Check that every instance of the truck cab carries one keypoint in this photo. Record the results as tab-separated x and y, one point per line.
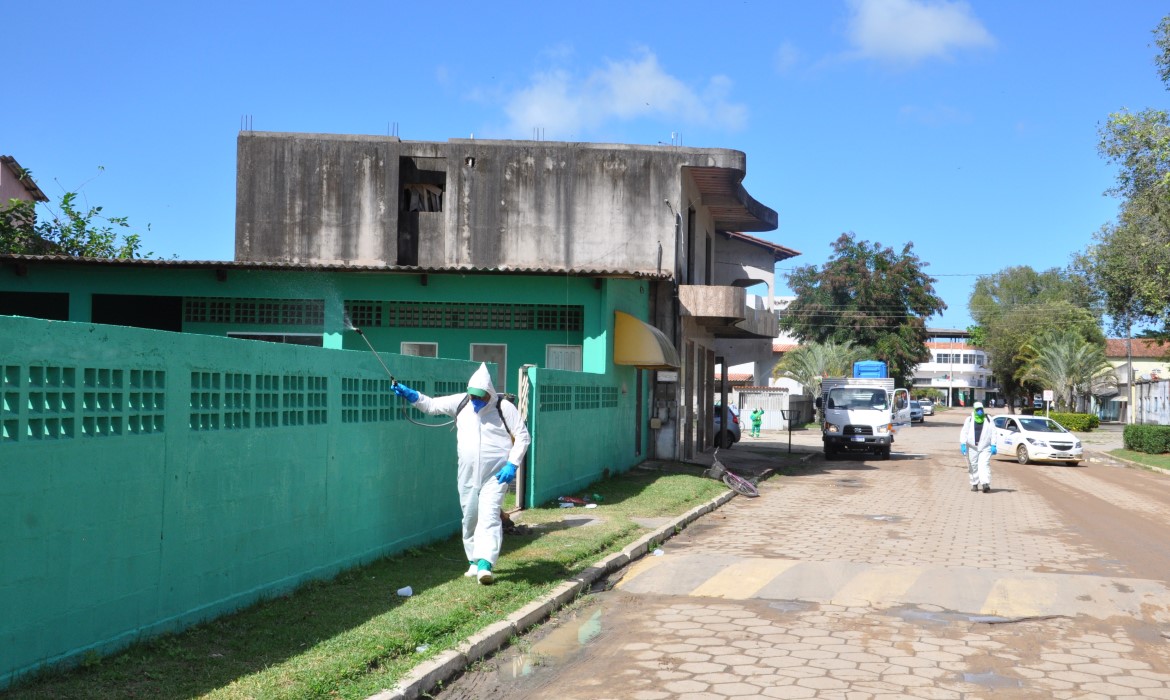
862	415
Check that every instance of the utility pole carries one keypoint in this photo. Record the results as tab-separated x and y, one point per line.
1128	373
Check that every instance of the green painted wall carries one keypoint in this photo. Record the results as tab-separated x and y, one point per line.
334	289
149	480
584	427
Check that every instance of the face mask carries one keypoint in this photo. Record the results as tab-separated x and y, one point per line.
979	416
478	403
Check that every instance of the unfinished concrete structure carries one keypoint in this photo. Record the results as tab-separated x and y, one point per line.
672	215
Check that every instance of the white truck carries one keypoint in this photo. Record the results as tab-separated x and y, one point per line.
861	415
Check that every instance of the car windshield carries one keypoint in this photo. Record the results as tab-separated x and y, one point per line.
843	397
1042	425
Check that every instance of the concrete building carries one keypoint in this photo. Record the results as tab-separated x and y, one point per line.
959	371
1148	362
673	216
604	258
758	371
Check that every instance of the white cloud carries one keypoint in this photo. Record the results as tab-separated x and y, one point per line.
786	58
906	31
639	88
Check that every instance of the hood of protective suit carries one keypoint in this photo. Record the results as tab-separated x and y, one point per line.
482	380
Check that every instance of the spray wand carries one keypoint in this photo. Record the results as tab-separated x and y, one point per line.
393	381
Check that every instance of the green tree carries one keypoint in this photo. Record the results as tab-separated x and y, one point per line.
1070	365
1017	305
68	229
1130	260
808	363
868	295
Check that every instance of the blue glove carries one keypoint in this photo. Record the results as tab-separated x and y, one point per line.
507	475
405	392
993	450
963	448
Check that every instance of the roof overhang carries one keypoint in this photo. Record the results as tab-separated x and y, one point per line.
24	178
731	207
778	252
641	345
20	259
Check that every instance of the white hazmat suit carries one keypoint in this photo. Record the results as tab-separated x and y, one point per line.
978	451
484	447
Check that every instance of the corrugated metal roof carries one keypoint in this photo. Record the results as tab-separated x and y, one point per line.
326	267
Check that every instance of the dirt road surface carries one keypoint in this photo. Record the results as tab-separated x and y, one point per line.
863	579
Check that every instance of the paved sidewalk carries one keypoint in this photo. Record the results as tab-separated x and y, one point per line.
863	580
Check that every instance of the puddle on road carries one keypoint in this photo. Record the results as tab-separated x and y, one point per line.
566	639
942	617
792	605
992	680
849	483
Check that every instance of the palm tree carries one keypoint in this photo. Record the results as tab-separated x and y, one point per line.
1068	364
808	363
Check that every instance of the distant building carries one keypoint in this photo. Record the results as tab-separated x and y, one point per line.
957	369
1149	362
17	183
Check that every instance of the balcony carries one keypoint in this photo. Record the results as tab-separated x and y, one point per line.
725	313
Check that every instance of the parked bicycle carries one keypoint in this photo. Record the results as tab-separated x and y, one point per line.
733	481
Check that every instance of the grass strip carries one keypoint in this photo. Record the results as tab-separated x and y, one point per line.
1161	461
353	636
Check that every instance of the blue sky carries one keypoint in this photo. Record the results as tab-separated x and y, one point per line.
967	128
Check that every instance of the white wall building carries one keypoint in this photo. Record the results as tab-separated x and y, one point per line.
958	370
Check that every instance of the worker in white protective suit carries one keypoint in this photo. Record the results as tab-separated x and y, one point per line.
977	443
492	440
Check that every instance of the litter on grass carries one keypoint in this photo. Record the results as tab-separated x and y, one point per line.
405	592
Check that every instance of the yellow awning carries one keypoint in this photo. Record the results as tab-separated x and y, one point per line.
641	345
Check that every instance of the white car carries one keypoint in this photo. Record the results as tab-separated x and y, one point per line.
927	406
1033	438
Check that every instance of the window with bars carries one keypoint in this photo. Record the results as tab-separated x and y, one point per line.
296	312
364	314
418	314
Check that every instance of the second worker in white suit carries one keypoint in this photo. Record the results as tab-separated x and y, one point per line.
491	442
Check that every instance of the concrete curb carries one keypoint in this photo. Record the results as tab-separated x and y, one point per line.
428	674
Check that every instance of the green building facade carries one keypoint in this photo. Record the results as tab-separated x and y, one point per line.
156	471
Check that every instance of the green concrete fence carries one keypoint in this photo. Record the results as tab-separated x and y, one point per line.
152	480
584	426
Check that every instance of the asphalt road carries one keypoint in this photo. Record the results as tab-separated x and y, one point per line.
864	579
